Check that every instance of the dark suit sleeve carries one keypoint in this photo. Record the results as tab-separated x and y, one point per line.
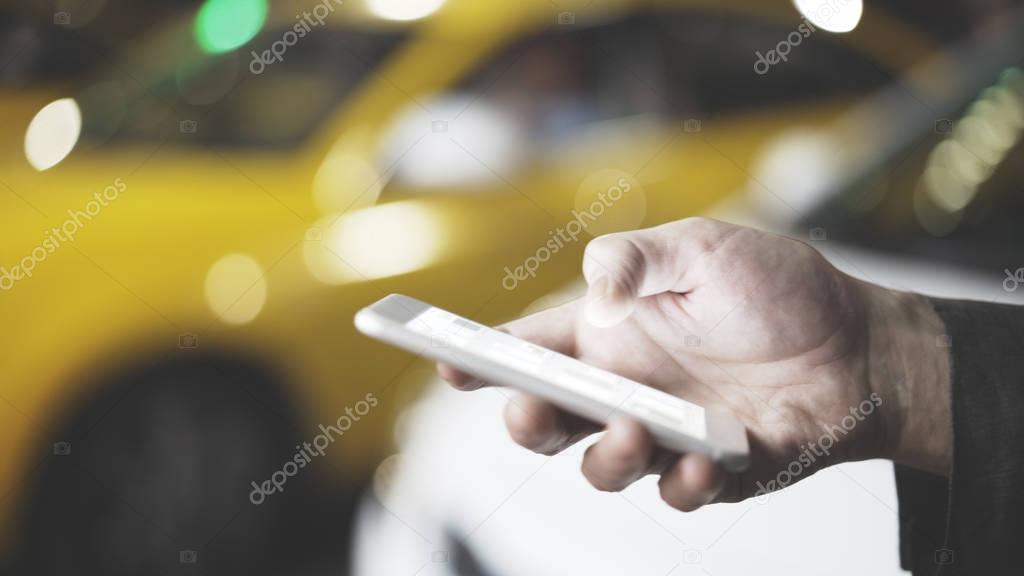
973	521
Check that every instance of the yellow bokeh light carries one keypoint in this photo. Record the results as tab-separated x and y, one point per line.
937	221
53	133
976	135
1011	104
236	288
344	181
963	164
945	189
1003	134
376	242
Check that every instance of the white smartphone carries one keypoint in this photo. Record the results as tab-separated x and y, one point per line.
590	392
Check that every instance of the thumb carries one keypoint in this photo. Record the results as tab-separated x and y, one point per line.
620	268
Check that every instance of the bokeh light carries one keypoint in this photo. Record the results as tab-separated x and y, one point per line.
376	242
842	16
223	25
964	161
404	9
236	288
344	181
53	133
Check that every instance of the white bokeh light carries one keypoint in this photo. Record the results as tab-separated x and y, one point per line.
404	9
53	133
832	15
375	242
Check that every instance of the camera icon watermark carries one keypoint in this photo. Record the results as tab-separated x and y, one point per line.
188	341
691	341
944	126
566	18
439	126
692	556
188	557
188	126
62	18
817	234
439	556
944	341
943	556
691	125
314	234
62	448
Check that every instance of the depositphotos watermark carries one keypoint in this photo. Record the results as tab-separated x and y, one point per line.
1013	279
308	450
306	22
57	236
780	53
809	453
564	236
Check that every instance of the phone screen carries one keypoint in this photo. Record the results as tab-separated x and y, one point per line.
445	329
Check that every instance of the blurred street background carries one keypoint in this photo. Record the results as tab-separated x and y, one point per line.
197	195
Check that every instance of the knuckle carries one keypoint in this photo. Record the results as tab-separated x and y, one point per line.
706	234
698	221
700	225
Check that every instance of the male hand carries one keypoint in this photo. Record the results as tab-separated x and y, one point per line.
820	367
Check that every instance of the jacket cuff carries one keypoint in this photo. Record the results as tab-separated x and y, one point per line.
971	522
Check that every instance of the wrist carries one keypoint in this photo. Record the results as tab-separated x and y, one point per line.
908	366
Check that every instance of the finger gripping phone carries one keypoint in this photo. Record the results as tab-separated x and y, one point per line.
585	390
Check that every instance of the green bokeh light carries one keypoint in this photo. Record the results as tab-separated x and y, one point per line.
224	25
